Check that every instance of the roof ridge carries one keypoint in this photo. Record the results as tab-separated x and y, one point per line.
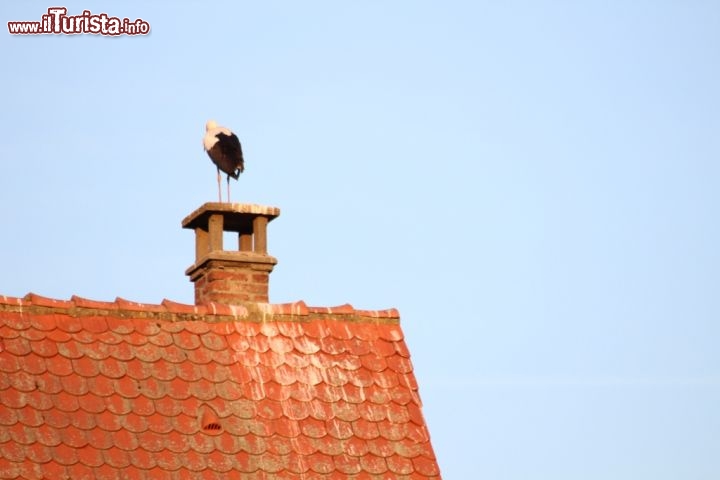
295	310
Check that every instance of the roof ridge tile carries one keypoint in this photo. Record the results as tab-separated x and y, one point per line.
39	300
6	300
385	313
298	308
237	311
83	302
175	307
124	304
345	308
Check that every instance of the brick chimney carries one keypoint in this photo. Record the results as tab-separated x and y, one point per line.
231	276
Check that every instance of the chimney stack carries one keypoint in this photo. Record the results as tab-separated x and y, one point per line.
231	276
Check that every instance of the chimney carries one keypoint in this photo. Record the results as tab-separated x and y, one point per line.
231	276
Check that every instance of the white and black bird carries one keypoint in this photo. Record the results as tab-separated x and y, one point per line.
225	151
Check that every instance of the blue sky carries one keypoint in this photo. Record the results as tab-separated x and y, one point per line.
534	185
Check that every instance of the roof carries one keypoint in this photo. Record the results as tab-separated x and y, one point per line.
119	389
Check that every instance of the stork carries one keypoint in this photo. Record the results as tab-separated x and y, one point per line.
223	148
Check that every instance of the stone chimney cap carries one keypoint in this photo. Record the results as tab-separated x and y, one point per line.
232	222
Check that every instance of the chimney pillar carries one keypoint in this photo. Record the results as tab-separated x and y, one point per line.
215	228
260	227
246	242
231	276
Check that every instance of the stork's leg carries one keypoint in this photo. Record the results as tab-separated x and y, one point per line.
228	182
219	187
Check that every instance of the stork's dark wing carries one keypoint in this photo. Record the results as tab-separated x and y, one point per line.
231	153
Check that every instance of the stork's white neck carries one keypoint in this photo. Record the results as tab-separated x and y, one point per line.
210	138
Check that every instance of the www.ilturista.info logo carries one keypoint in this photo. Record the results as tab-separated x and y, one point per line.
57	21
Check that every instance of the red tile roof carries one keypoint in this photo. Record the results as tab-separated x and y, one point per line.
114	390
